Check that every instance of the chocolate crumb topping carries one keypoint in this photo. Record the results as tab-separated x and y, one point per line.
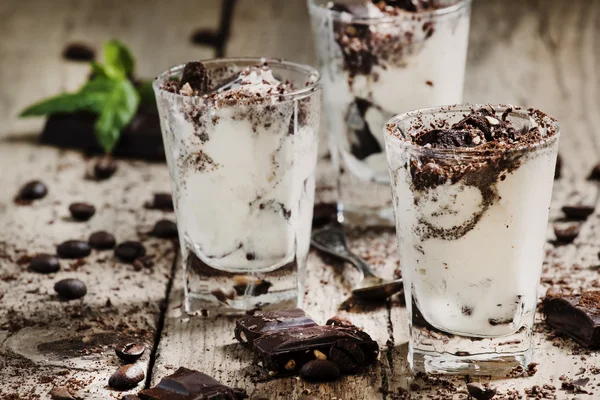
194	74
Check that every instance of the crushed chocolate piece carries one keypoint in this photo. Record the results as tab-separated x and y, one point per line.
194	74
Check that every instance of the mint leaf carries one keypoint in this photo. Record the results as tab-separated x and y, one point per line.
118	60
63	103
119	107
98	70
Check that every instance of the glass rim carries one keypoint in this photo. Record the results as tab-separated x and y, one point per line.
301	93
408	15
529	113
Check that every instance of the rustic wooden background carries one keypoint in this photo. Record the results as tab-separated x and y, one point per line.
540	53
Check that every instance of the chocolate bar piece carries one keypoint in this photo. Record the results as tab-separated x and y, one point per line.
187	384
285	352
248	329
576	316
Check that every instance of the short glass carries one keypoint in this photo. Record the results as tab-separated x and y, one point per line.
373	69
243	180
471	246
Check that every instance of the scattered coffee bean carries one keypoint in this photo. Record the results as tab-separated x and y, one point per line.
165	229
127	377
63	393
130	352
79	52
579	212
320	371
32	191
161	201
44	264
347	355
104	168
558	168
73	249
480	392
102	240
82	211
566	235
70	289
129	251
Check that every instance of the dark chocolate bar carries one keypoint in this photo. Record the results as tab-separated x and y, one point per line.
285	352
248	329
577	316
187	384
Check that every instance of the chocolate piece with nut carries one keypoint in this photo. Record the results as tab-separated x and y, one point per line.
250	328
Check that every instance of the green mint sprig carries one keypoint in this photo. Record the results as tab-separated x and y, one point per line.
109	94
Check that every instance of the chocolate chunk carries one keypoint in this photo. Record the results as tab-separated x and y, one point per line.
129	251
248	329
558	168
105	167
577	316
33	190
161	201
78	52
194	74
44	264
126	377
566	235
70	289
82	211
320	371
578	212
102	240
73	249
445	138
165	229
347	355
130	352
187	384
131	397
276	350
480	392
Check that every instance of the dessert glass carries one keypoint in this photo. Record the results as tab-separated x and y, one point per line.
409	61
471	247
243	178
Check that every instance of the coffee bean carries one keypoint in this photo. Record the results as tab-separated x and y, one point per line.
130	352
347	355
44	264
78	52
320	371
480	392
127	377
32	191
165	229
566	235
102	240
578	212
82	211
129	251
104	168
63	393
73	249
70	289
161	201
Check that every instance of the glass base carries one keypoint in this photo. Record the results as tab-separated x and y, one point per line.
212	291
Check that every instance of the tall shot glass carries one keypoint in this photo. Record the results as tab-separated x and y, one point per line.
243	178
373	68
471	228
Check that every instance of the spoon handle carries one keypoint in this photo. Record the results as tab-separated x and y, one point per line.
360	265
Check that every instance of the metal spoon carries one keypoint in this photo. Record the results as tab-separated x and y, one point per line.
332	241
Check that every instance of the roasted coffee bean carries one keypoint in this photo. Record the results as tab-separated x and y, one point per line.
32	191
44	264
161	201
165	229
70	289
102	240
347	355
129	251
73	249
127	377
578	212
79	52
82	211
104	168
63	393
480	392
320	371
130	352
566	235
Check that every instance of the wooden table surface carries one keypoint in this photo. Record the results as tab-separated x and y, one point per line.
531	53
